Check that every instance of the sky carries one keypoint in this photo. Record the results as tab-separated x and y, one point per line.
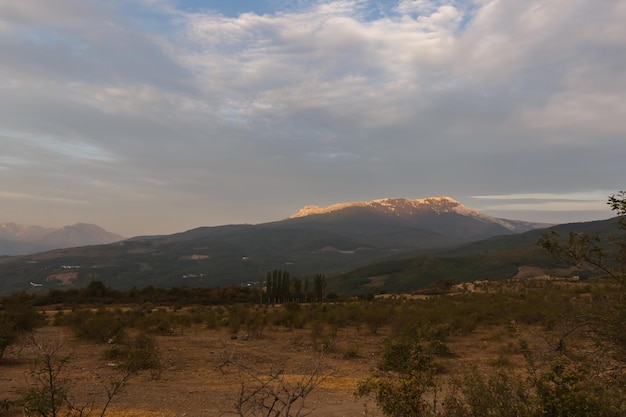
158	116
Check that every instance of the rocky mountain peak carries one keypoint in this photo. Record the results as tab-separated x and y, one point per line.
397	206
438	205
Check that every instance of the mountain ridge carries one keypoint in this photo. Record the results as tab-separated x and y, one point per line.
329	243
387	205
17	239
409	207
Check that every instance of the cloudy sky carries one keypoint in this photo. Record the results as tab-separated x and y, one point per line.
157	116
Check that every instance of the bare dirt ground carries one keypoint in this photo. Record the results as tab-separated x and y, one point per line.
192	383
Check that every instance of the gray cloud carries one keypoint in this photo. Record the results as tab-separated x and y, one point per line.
165	119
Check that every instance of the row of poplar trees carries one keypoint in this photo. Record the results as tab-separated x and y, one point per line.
281	288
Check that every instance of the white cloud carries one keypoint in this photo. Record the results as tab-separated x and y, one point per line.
547	207
559	206
39	198
597	195
442	97
323	58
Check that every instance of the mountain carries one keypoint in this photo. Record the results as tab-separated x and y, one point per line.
441	214
20	233
498	257
80	234
18	239
328	240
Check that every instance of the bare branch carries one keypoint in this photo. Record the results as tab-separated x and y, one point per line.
271	394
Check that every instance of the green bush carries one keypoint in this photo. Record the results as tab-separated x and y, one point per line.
100	326
17	319
8	333
137	354
156	322
351	353
495	394
4	406
573	389
404	381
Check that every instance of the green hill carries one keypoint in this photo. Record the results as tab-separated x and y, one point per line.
498	257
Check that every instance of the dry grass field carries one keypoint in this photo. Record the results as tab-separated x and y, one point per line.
192	382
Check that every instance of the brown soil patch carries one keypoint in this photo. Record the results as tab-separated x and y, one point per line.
66	278
192	383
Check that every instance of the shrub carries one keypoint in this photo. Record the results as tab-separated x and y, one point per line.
351	353
498	393
156	322
7	334
569	389
403	382
5	405
141	353
100	326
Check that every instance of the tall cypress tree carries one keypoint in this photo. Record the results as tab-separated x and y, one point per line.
319	289
306	289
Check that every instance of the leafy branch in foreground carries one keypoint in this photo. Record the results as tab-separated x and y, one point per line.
599	354
584	250
606	320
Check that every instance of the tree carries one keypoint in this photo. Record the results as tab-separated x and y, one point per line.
269	287
584	250
48	394
597	361
606	321
278	286
295	289
96	289
306	290
319	287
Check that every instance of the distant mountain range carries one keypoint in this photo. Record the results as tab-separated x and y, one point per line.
16	239
329	240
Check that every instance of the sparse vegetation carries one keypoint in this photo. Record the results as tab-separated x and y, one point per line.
581	373
513	309
49	392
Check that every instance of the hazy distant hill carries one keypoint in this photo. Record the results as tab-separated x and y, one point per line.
17	239
318	240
